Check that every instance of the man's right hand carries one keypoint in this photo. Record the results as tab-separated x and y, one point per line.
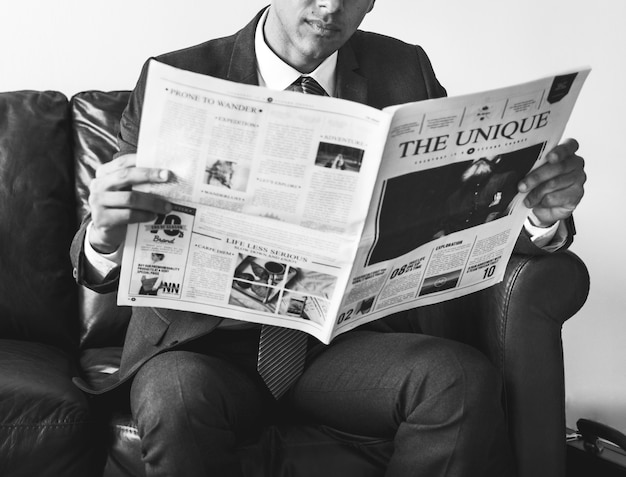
114	204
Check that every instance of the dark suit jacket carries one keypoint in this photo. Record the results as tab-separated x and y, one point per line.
371	69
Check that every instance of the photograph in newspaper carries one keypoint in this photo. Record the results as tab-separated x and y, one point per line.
280	288
422	206
339	156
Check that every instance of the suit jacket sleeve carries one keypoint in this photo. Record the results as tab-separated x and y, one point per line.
526	247
77	256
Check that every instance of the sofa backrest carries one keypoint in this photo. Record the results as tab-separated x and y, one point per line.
95	117
37	219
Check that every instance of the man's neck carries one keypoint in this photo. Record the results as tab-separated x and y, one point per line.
275	73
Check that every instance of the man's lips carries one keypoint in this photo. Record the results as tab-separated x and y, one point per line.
323	27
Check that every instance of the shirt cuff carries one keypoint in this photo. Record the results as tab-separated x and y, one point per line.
99	265
547	238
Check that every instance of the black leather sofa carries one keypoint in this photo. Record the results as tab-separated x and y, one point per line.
52	331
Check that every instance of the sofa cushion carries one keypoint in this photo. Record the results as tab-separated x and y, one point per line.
96	116
37	220
281	451
44	418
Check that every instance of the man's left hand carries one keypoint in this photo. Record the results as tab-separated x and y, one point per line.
556	187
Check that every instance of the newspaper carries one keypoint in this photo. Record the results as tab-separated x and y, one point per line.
322	214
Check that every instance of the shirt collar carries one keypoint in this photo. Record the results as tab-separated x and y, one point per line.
274	73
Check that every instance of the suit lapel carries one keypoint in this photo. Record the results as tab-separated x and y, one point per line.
242	63
350	84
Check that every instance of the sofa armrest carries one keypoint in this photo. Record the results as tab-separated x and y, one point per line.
521	321
47	426
538	293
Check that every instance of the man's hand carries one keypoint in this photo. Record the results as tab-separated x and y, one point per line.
114	204
556	188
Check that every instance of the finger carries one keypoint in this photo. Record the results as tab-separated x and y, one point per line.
562	151
111	218
127	160
563	190
549	216
131	200
561	203
551	170
126	177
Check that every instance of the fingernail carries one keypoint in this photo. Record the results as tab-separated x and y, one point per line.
522	187
164	174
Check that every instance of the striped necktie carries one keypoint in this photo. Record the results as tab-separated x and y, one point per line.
282	351
307	85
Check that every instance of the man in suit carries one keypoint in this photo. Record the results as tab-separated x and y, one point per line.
195	389
483	193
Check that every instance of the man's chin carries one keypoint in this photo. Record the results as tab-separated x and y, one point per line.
316	54
321	46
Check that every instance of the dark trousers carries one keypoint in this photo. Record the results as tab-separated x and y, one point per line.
438	400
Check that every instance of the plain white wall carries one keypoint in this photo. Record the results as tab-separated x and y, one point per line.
72	45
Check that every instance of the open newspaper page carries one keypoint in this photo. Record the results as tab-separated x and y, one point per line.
445	213
271	190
